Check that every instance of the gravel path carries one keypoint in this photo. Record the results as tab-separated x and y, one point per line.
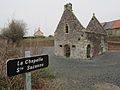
83	74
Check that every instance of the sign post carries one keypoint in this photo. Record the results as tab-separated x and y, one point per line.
28	75
26	64
28	80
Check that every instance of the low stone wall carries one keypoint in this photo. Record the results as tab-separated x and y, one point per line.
115	39
114	44
38	44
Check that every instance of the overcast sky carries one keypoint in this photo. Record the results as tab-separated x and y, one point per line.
46	13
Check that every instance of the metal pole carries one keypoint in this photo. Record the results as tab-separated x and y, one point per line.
28	75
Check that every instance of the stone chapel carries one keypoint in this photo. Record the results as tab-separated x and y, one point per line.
72	40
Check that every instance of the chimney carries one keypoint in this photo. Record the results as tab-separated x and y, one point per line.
68	6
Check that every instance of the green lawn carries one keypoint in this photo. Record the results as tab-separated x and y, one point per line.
114	36
37	39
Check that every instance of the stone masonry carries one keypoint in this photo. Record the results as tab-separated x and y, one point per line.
72	40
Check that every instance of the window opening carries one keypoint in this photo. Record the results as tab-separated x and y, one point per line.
66	28
60	45
73	46
78	39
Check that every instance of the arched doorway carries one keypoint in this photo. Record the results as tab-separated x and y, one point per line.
88	51
67	50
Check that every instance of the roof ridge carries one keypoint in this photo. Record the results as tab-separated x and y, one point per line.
93	27
113	20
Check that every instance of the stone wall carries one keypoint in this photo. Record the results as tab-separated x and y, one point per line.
73	37
76	49
114	44
39	44
113	32
115	39
98	43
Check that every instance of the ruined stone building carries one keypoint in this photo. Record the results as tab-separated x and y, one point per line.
72	40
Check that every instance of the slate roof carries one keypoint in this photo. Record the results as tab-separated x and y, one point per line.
111	25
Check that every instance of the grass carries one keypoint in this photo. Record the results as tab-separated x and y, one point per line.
37	39
114	35
43	78
47	73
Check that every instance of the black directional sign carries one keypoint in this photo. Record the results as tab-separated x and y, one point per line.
23	65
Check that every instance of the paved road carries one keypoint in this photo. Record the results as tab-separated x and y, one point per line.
83	74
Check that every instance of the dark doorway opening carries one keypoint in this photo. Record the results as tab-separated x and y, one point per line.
67	50
88	51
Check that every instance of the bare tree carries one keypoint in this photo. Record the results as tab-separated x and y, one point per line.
15	30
